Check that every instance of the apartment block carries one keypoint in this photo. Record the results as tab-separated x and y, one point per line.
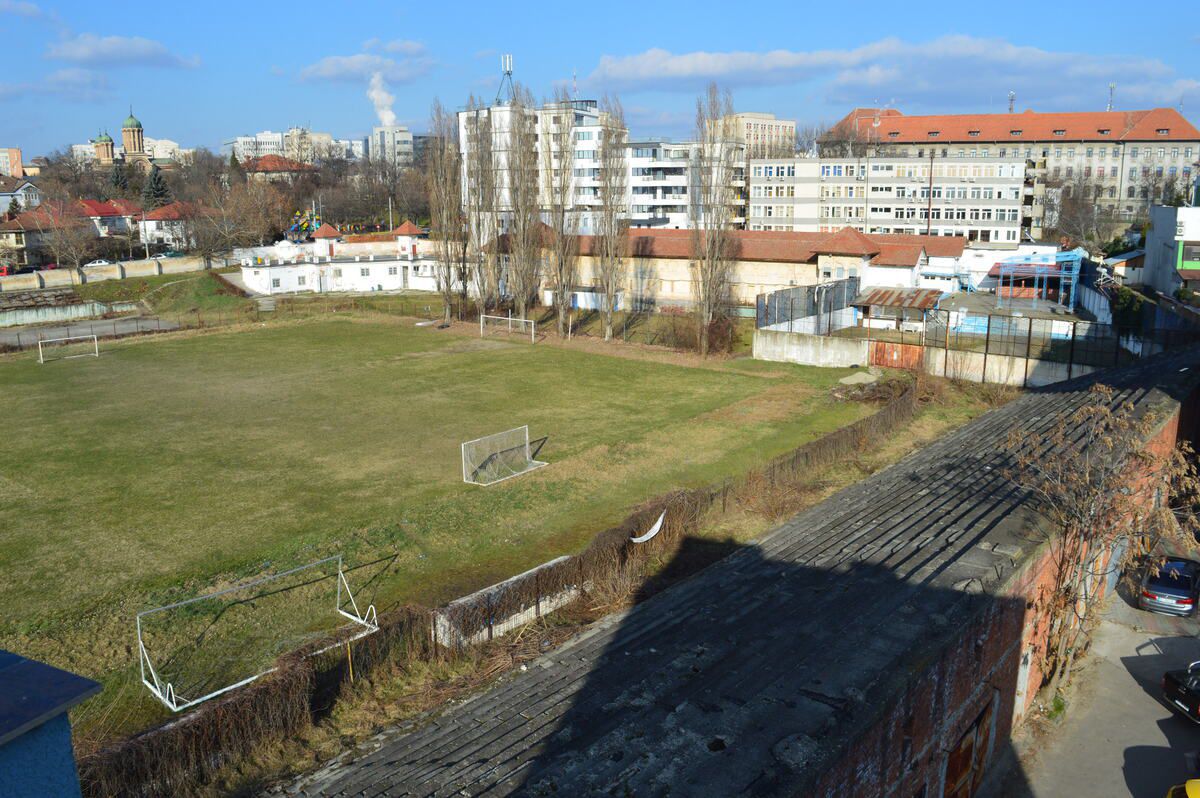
980	199
10	162
391	143
764	135
262	143
1124	160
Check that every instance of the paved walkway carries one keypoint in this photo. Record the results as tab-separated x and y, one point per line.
27	337
1117	738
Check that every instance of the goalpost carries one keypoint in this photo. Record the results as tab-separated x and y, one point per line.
67	348
495	458
508	324
204	663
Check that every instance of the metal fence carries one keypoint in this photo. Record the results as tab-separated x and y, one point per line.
1066	341
807	308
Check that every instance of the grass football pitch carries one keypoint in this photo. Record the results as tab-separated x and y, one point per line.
174	465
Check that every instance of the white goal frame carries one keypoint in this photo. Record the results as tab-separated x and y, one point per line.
164	691
510	320
94	353
533	464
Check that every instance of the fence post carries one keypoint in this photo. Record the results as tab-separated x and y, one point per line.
19	340
1028	353
987	344
1071	352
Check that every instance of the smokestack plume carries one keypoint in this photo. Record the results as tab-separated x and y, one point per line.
382	100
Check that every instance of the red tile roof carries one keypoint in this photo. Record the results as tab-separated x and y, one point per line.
848	241
327	230
101	208
173	212
46	216
898	255
275	163
407	229
126	207
1100	126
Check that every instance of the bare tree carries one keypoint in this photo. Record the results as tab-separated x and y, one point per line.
1108	498
1073	210
711	198
612	221
445	201
63	229
557	140
807	136
482	198
525	238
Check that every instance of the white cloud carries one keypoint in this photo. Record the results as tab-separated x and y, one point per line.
81	85
949	72
20	9
88	48
361	66
397	46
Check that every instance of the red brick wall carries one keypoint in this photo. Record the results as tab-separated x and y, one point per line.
906	750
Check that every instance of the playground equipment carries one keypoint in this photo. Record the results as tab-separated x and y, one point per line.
304	224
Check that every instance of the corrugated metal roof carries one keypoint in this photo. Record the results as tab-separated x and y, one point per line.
917	298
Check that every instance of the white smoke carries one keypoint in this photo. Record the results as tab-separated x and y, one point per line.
382	99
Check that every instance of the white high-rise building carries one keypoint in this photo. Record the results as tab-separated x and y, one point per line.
262	143
391	143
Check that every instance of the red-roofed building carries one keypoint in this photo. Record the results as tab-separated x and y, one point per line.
167	226
1128	159
275	168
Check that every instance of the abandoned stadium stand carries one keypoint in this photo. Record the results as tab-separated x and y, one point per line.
879	643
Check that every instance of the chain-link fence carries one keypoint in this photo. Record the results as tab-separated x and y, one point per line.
814	309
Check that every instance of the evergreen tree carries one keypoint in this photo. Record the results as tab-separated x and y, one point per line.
14	208
234	164
118	181
155	193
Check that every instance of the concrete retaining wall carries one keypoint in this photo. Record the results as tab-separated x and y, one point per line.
59	278
49	315
812	350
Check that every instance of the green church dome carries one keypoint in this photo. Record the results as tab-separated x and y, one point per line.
104	138
131	121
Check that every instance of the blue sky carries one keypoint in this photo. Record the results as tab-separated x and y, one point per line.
200	73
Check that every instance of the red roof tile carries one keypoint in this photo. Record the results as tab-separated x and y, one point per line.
173	212
898	255
407	229
275	163
327	230
895	127
101	208
847	241
126	207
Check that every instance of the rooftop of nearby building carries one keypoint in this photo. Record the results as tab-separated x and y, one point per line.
753	676
891	126
171	212
34	692
274	164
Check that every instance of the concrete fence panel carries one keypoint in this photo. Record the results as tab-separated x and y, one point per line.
811	350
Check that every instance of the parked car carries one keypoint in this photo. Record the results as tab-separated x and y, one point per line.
99	262
1170	588
172	253
1189	789
1181	691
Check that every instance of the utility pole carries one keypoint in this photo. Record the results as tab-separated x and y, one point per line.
391	226
929	205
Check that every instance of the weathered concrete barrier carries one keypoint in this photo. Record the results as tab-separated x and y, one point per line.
812	350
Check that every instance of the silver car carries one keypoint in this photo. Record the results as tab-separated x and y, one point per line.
1170	588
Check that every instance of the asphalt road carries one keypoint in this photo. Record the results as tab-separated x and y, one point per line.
1118	738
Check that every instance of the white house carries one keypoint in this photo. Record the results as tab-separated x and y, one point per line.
166	225
25	193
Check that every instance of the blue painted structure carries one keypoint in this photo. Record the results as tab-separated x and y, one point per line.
36	758
1063	267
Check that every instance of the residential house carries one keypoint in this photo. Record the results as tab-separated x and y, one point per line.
25	193
29	240
275	169
167	226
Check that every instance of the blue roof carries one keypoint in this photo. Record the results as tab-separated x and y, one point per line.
32	693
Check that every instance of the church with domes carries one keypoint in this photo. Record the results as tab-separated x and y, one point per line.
133	148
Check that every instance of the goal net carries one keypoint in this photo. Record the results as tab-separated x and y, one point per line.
198	648
507	325
495	458
67	348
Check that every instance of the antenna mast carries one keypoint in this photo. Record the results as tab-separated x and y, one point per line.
506	80
1012	98
1112	87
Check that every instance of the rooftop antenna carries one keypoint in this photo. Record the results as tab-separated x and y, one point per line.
575	86
1012	98
506	80
1112	87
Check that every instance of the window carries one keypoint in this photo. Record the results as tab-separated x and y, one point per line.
337	272
1060	132
274	282
300	280
933	134
1090	152
973	133
392	271
893	134
1163	131
1174	152
1104	131
1133	151
1162	151
365	271
1014	132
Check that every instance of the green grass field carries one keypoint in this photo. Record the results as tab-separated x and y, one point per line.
176	464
